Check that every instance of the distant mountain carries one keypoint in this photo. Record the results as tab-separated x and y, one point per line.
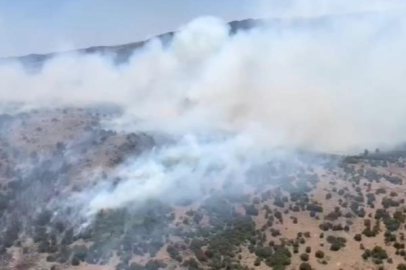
121	53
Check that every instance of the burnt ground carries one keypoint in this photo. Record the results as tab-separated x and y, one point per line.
331	213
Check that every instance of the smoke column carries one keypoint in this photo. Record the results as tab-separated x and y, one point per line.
333	85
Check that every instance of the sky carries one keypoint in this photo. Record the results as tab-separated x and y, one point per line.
40	26
28	26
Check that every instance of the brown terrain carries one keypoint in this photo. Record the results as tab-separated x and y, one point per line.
316	212
310	211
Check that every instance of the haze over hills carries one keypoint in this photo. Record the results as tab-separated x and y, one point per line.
123	52
202	150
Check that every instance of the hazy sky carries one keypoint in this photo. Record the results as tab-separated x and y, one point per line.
38	26
42	25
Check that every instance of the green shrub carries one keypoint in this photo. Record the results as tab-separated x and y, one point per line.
319	254
304	257
305	266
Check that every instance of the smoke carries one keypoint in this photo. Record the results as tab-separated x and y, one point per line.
332	88
329	84
184	171
189	170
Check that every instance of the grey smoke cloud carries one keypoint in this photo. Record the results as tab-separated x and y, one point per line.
319	89
188	170
334	86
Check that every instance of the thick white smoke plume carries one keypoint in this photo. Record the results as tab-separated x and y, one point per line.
188	170
333	84
333	88
184	171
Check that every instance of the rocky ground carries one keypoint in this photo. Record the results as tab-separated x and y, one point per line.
320	212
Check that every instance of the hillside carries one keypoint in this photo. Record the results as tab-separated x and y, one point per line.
82	189
319	211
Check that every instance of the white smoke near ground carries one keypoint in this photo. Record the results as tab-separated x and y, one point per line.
186	170
337	87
